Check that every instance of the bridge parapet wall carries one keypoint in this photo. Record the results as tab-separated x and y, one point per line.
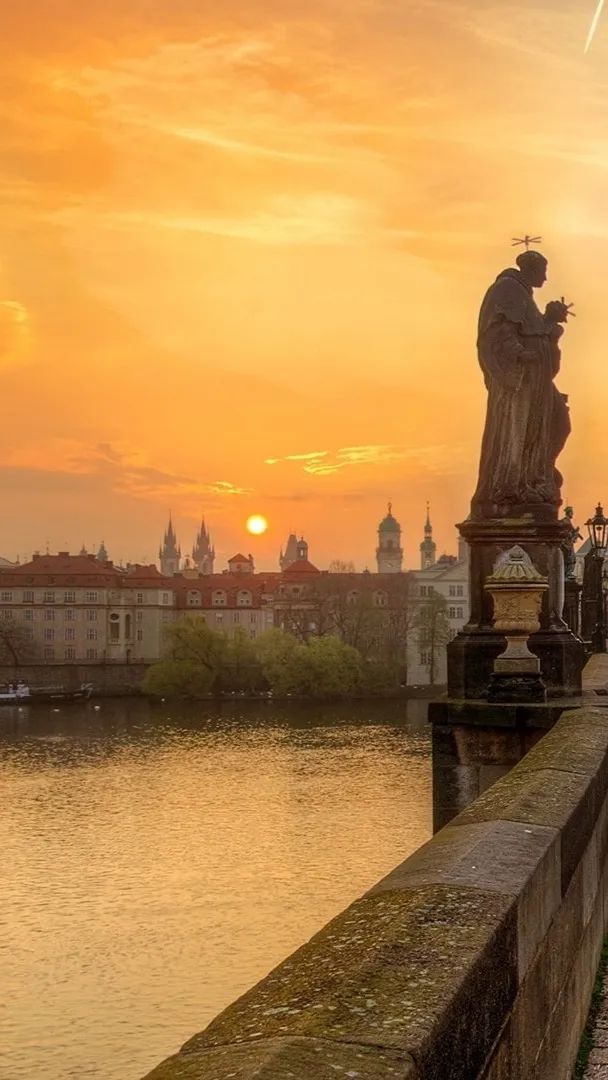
475	958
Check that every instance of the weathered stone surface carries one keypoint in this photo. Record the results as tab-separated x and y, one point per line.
567	801
517	860
403	969
284	1058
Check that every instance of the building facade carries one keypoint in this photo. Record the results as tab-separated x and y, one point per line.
439	608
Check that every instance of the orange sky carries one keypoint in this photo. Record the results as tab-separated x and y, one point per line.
263	235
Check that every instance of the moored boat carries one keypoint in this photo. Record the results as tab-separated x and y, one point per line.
21	694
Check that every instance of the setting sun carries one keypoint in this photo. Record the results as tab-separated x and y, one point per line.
257	524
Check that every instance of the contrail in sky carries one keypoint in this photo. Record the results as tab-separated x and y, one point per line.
596	19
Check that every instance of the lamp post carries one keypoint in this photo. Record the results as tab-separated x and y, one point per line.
594	621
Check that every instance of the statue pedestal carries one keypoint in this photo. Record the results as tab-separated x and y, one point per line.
572	605
472	652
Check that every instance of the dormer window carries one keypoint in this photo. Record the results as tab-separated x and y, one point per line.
219	598
194	598
380	599
243	598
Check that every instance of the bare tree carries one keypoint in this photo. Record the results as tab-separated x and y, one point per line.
16	644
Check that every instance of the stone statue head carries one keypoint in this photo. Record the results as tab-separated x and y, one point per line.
533	268
569	512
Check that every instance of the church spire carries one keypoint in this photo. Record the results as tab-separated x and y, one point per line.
428	547
203	552
170	552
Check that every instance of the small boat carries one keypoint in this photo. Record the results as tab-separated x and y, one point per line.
59	694
21	694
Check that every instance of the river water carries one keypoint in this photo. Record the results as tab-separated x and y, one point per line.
156	862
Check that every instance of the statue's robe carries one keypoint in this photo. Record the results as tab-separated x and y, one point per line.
527	421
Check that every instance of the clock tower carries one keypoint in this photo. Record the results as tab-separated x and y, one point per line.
389	553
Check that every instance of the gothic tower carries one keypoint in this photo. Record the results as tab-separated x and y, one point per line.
389	553
291	552
428	547
169	553
203	553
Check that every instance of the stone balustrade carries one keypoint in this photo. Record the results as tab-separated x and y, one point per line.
473	959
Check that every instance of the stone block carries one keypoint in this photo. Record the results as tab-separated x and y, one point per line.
285	1058
517	860
432	972
567	801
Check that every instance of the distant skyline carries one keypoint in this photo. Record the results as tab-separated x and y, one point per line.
263	549
244	251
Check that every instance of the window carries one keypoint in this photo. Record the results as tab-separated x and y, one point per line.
166	598
140	598
91	634
140	635
424	659
140	616
459	590
295	590
49	633
244	598
49	598
49	652
90	598
91	615
6	597
452	612
380	599
128	627
28	597
194	598
114	631
423	590
219	598
459	613
7	614
70	634
69	614
69	597
69	653
49	615
29	633
452	590
219	618
91	654
253	617
237	616
29	614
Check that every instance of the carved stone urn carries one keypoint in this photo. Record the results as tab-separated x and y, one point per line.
516	588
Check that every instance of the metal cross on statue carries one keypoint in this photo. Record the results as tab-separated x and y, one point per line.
525	241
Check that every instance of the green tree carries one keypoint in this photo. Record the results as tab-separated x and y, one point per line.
324	667
178	678
193	656
241	666
275	650
433	630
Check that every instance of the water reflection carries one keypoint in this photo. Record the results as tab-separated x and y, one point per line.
158	861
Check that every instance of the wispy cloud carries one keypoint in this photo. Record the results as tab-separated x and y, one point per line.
124	470
324	463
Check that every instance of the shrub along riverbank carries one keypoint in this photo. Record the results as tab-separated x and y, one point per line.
199	662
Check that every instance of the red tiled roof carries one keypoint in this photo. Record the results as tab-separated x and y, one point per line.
238	558
300	566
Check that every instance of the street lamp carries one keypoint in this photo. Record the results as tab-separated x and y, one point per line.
597	526
594	622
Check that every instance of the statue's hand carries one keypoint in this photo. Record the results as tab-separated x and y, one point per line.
557	311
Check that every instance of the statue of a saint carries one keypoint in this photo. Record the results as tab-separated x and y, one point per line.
527	421
571	535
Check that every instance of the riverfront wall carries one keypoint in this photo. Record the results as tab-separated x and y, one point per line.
108	679
473	959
